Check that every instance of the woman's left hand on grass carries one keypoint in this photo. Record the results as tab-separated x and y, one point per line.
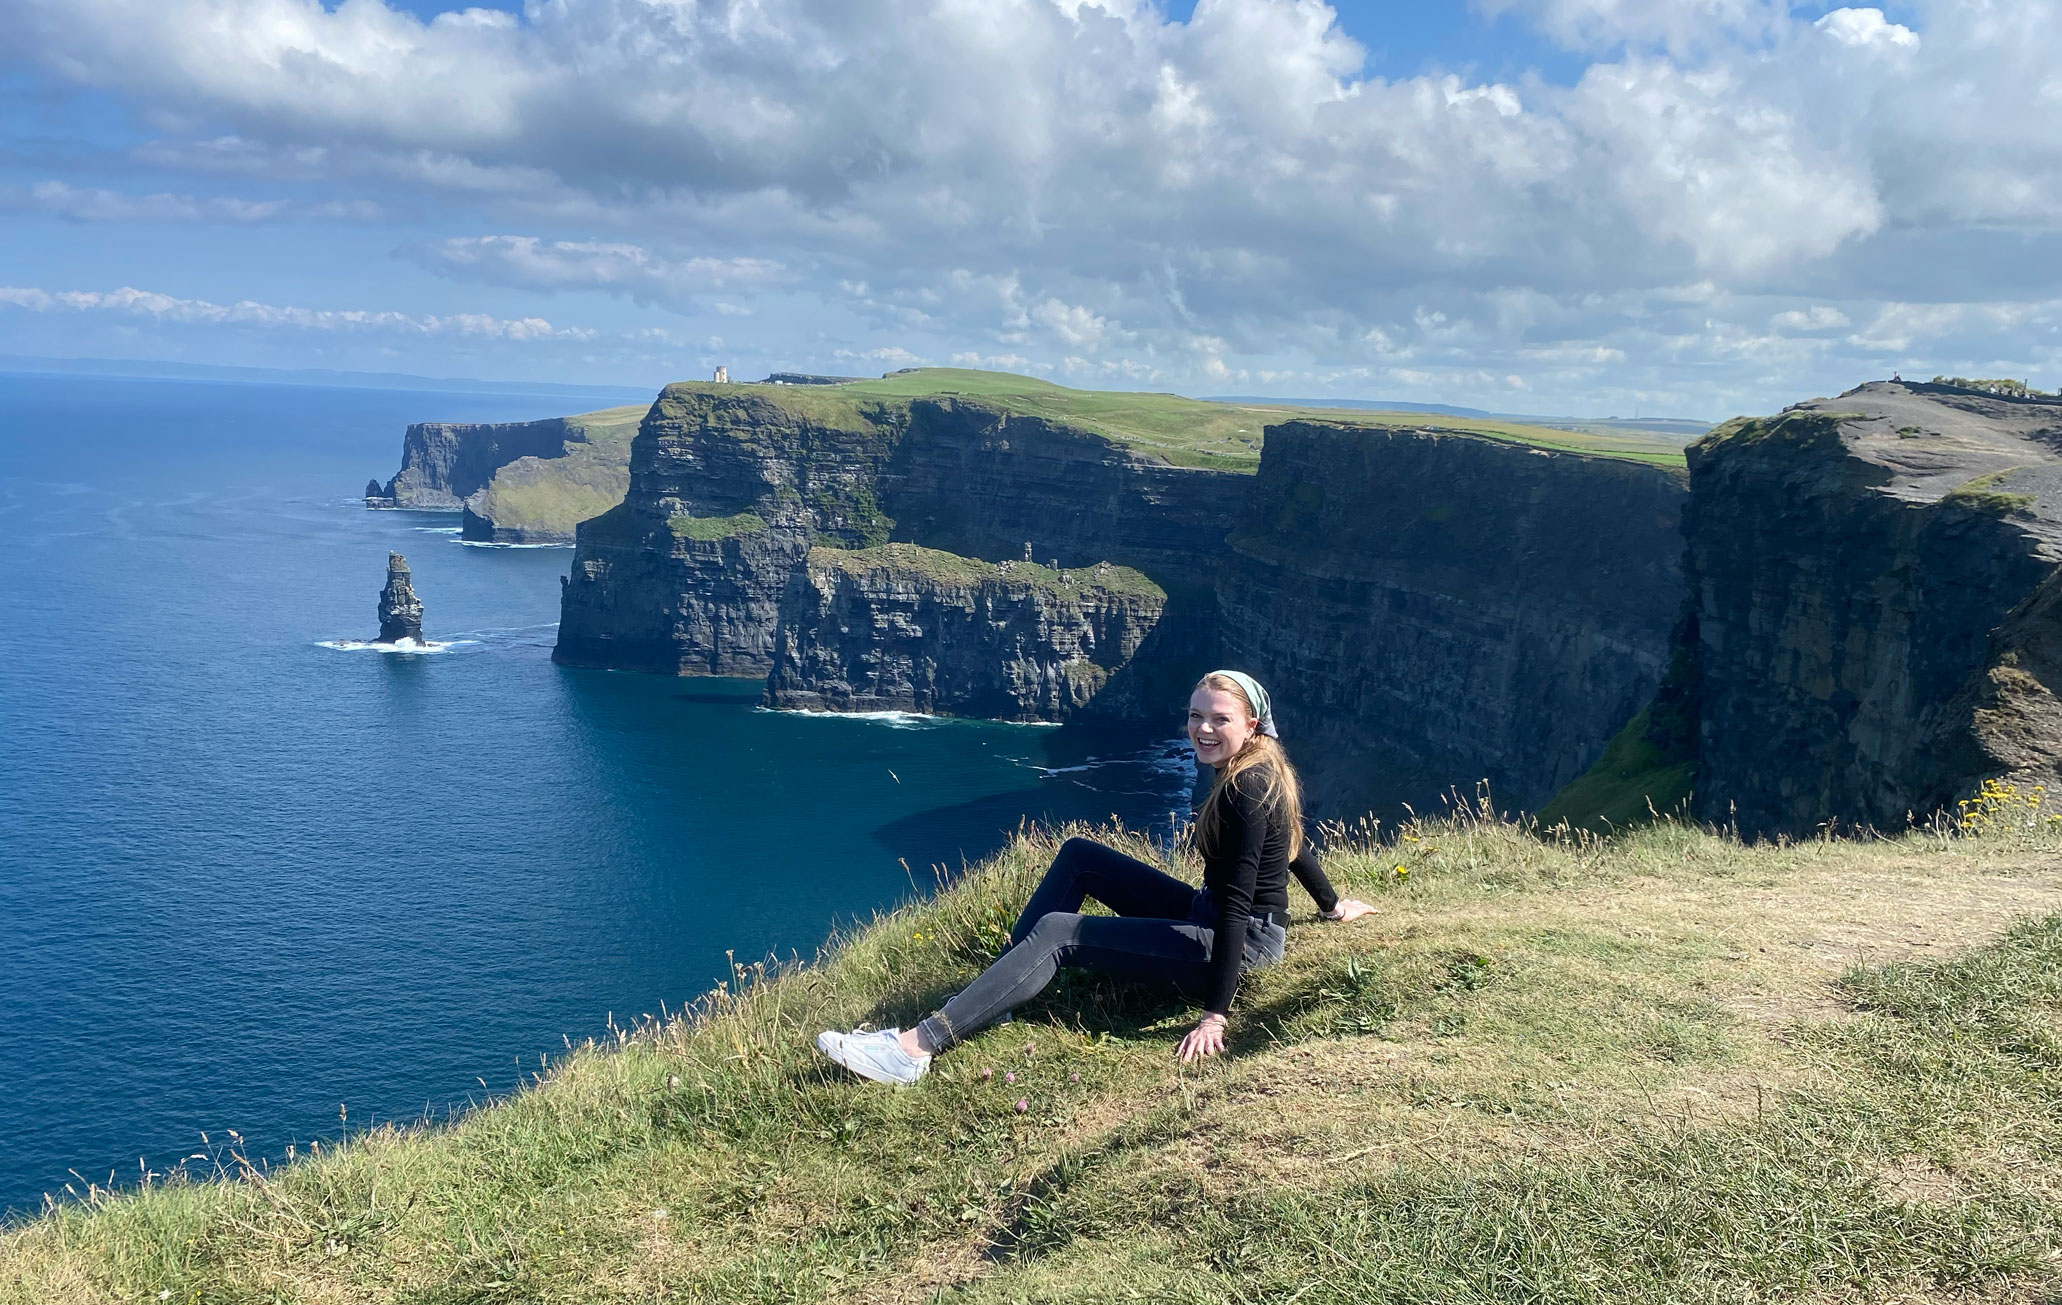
1206	1039
1349	908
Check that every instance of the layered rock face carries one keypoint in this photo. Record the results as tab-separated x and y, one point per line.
516	482
1429	609
400	611
662	583
442	462
727	493
1875	606
904	628
971	479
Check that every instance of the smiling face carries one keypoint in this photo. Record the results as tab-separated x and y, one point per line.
1219	725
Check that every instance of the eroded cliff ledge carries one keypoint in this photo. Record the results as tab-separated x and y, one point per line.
906	628
1875	620
1431	610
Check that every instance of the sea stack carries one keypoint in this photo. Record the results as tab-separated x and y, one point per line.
400	611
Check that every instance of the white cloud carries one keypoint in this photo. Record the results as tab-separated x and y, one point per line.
897	357
1075	326
1679	26
1866	27
96	205
1818	317
613	267
131	302
1091	188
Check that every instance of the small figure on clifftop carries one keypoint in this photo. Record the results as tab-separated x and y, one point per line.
1164	933
400	611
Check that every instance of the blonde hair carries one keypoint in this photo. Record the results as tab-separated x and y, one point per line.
1283	795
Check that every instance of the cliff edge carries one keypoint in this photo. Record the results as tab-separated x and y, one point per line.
525	482
1875	600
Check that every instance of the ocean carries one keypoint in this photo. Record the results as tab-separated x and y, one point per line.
257	877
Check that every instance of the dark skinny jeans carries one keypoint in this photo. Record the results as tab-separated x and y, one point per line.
1162	935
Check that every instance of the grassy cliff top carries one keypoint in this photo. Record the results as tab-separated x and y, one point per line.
1661	1068
1184	431
951	568
610	425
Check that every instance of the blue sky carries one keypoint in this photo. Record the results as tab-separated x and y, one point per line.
1580	206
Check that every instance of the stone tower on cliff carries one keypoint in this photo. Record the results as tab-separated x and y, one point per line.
400	611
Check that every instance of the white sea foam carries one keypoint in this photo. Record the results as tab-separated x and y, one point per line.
901	720
488	543
438	530
406	647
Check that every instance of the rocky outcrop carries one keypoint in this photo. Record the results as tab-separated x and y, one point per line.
661	584
904	628
1875	601
728	491
442	462
1431	609
516	482
400	611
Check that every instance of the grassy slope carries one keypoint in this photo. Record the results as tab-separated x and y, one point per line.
1662	1068
556	494
951	568
1632	783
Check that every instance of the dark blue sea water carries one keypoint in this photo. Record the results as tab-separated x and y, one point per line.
246	878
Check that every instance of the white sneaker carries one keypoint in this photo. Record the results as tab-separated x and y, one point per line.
878	1056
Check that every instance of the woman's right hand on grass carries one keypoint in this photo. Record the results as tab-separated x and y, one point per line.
1349	908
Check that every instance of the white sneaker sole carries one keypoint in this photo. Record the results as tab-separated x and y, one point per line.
832	1044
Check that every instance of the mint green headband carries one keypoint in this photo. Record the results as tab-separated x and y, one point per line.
1256	695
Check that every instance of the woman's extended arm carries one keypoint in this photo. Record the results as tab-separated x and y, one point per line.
1330	905
1311	875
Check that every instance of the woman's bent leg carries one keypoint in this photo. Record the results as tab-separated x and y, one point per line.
1127	885
1171	953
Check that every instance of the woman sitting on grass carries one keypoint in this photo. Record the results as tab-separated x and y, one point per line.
1165	932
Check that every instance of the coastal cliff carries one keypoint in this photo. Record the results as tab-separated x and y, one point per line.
664	582
442	462
1431	607
905	628
1431	610
526	482
1875	593
728	491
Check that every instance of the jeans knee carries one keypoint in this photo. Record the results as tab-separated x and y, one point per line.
1074	849
1053	928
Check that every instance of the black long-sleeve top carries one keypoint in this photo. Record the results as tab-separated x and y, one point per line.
1312	876
1246	870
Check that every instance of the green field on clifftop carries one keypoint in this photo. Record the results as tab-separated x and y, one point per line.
1659	1068
1184	431
550	496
